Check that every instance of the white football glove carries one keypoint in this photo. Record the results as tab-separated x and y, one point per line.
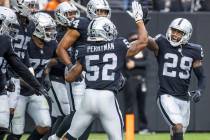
137	11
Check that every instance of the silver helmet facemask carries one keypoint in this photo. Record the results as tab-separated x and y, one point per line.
45	27
182	25
94	5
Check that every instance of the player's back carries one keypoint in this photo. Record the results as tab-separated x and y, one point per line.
103	63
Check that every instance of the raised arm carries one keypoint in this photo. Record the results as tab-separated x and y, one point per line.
142	40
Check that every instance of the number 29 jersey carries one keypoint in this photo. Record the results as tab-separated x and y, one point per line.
175	66
103	63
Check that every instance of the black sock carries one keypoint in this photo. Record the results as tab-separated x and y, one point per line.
13	137
35	136
178	136
56	124
3	132
70	137
65	125
86	134
2	135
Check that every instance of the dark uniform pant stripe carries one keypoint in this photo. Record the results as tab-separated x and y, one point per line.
164	112
57	101
120	117
72	98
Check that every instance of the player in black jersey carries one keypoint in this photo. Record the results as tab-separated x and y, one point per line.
9	30
103	59
64	13
176	59
75	36
41	49
23	11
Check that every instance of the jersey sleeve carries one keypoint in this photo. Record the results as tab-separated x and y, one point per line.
158	38
79	24
200	54
123	44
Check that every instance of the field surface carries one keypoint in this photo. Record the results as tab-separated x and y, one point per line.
158	136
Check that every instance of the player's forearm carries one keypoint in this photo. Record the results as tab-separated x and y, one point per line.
63	55
199	72
142	33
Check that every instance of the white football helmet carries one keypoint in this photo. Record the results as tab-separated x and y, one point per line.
45	27
94	5
183	25
25	7
8	22
62	13
101	29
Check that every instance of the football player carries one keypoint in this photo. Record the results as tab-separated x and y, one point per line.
75	36
64	13
103	59
9	29
176	59
41	49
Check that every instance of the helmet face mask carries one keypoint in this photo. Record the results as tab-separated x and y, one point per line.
25	7
9	24
65	12
98	8
45	27
101	29
179	32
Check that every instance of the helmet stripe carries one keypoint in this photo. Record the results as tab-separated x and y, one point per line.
104	2
180	21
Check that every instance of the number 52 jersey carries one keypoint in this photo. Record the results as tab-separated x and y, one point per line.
103	63
175	66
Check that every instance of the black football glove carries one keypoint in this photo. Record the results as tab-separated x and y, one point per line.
69	66
47	83
195	95
10	86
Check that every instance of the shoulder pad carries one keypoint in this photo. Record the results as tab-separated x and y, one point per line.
79	23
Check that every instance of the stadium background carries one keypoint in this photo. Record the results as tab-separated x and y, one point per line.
159	22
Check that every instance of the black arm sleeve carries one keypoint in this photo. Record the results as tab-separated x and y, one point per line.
26	59
199	72
140	63
23	71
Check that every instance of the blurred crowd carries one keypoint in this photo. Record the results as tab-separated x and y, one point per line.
154	5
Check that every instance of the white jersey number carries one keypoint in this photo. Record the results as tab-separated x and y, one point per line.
39	62
185	65
94	71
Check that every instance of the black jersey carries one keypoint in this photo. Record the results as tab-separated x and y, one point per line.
20	43
7	55
103	63
81	25
6	49
39	57
59	68
175	66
